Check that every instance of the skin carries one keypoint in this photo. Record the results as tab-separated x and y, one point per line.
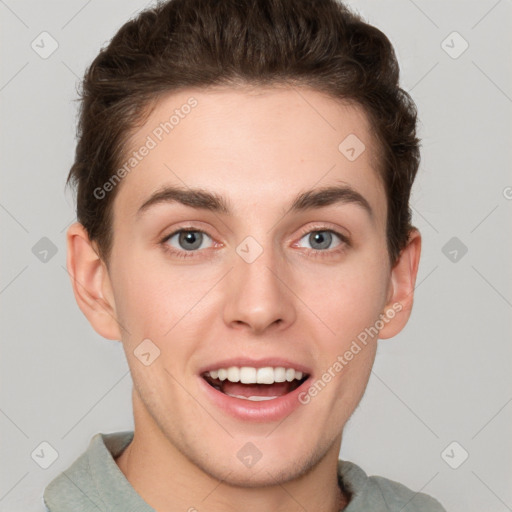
259	148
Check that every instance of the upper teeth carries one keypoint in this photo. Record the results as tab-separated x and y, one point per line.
249	375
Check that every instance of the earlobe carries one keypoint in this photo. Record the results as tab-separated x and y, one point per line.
401	289
91	283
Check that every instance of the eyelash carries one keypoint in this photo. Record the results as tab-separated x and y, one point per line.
316	253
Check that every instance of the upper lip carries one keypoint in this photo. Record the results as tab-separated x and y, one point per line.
273	362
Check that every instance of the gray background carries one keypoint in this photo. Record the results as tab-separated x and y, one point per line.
445	378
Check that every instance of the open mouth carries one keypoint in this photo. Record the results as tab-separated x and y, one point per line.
255	384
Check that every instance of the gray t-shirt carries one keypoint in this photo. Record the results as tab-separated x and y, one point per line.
94	483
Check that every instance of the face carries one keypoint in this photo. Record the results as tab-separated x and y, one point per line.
250	279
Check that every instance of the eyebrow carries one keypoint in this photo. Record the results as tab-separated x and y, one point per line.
210	201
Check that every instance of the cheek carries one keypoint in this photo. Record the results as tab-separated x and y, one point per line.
153	296
347	298
350	305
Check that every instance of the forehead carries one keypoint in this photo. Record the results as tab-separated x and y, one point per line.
258	146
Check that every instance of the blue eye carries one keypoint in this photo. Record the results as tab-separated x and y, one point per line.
187	240
321	240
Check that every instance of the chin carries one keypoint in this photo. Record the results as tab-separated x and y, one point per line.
250	467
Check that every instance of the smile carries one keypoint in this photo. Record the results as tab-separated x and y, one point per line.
255	384
261	393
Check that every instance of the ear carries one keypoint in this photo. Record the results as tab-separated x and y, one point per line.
91	283
401	287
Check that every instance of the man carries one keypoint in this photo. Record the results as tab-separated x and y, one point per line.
243	174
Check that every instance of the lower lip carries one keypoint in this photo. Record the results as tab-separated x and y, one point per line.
261	411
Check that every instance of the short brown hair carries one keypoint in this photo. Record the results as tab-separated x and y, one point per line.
202	43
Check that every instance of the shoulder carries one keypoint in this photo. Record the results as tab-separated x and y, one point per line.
93	480
377	493
73	487
398	496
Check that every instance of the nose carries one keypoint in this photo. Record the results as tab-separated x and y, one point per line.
258	296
